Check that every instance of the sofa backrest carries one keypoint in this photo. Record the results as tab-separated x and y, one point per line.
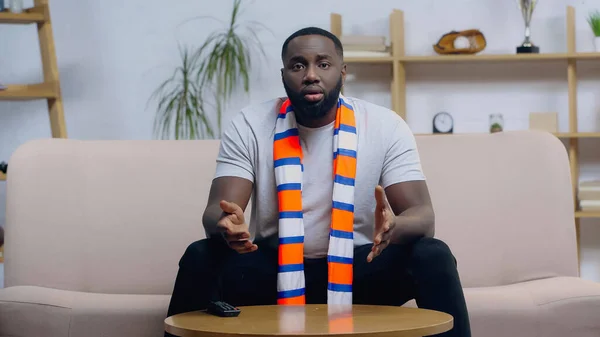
104	216
504	204
116	216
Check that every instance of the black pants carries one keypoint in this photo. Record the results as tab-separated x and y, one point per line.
424	271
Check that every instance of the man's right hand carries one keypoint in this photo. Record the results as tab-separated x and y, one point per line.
234	228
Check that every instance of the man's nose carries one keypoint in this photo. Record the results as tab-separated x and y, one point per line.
311	75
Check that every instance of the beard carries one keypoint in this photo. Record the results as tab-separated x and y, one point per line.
313	110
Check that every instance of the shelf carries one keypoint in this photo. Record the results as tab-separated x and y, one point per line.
30	15
374	59
558	135
578	135
587	214
499	57
586	56
570	59
28	92
378	57
367	57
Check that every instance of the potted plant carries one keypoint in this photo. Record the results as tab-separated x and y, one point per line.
594	21
496	123
199	88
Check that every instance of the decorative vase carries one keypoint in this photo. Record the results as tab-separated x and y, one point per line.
597	43
16	6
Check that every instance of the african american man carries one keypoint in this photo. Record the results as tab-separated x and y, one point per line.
341	211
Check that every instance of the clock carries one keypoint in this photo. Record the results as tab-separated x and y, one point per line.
443	123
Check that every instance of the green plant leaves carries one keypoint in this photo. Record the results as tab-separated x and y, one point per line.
216	69
594	21
181	109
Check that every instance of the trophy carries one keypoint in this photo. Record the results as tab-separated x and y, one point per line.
527	7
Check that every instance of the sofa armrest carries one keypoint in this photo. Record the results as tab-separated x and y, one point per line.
38	311
32	311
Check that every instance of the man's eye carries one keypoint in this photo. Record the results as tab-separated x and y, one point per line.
324	65
297	66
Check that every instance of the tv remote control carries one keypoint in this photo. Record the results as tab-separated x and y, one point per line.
222	309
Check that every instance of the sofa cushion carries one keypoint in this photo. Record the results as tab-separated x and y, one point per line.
568	306
558	306
33	311
36	311
550	307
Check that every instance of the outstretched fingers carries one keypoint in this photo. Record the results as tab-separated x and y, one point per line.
380	198
232	208
245	246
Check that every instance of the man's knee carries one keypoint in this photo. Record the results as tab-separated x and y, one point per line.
198	253
432	252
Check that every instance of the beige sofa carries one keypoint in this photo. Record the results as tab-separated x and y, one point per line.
94	231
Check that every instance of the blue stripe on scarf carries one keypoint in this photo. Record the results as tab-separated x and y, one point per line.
343	206
285	134
283	115
291	293
290	215
286	268
287	161
289	187
345	128
341	234
339	259
345	288
291	239
344	152
343	180
346	104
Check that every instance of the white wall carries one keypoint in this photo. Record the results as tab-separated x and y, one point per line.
111	59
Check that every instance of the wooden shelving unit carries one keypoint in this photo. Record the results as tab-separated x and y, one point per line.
399	61
500	58
30	15
577	135
398	84
49	90
382	58
28	92
580	214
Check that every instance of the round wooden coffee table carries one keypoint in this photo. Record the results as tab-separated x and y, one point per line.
313	320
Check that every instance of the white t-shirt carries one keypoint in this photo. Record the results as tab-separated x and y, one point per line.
387	155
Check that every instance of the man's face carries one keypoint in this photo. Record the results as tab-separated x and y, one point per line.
313	75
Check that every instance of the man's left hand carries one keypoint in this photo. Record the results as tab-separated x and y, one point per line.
384	224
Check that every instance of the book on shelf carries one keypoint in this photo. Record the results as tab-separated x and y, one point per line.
588	195
366	53
363	39
589	205
364	43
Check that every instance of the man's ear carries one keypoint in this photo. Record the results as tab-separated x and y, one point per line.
343	74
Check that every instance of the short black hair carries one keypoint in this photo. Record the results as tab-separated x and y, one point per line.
314	31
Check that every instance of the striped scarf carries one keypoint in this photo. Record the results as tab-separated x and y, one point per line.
287	155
